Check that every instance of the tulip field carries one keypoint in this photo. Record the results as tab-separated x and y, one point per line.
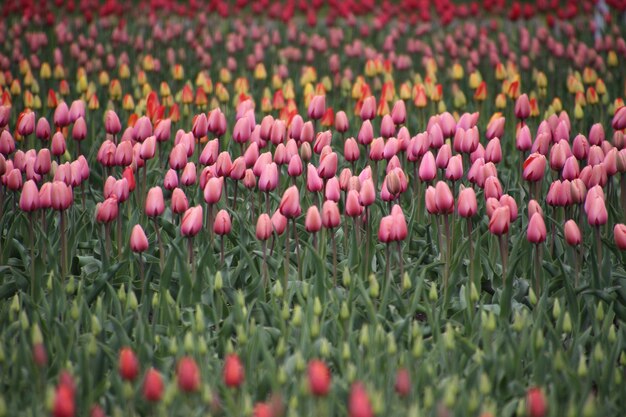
292	208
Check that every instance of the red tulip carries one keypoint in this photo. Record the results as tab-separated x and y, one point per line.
153	386
233	371
536	404
64	405
359	404
188	375
128	365
319	378
403	382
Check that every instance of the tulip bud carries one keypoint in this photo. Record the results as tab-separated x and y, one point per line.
373	286
432	293
582	366
567	322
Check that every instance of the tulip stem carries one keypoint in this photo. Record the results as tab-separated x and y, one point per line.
623	193
33	284
265	264
63	245
119	234
368	238
401	261
538	256
503	255
222	249
295	238
286	258
107	238
158	233
598	249
142	278
387	266
332	234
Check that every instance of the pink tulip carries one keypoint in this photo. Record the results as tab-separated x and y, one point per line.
179	201
191	222
290	203
597	214
264	227
112	123
42	131
222	224
107	211
328	166
534	167
467	205
536	232
500	221
454	170
619	119
495	128
493	151
313	221
138	239
155	205
317	107
178	157
443	156
242	130
368	109
398	113
79	130
444	200
522	107
387	127
341	122
428	168
279	222
572	233
366	133
330	215
353	206
29	199
523	141
61	115
619	234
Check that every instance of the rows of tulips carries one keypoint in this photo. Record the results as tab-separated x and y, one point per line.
304	220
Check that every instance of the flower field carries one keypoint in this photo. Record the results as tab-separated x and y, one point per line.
299	208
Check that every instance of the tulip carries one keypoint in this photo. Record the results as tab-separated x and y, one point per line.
341	122
619	234
112	123
263	233
64	405
522	108
330	220
128	364
536	405
313	221
319	378
42	131
317	107
359	404
368	109
402	385
138	239
188	373
191	222
536	232
153	386
467	205
290	203
398	113
233	373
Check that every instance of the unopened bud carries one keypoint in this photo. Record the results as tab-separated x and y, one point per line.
432	293
218	282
